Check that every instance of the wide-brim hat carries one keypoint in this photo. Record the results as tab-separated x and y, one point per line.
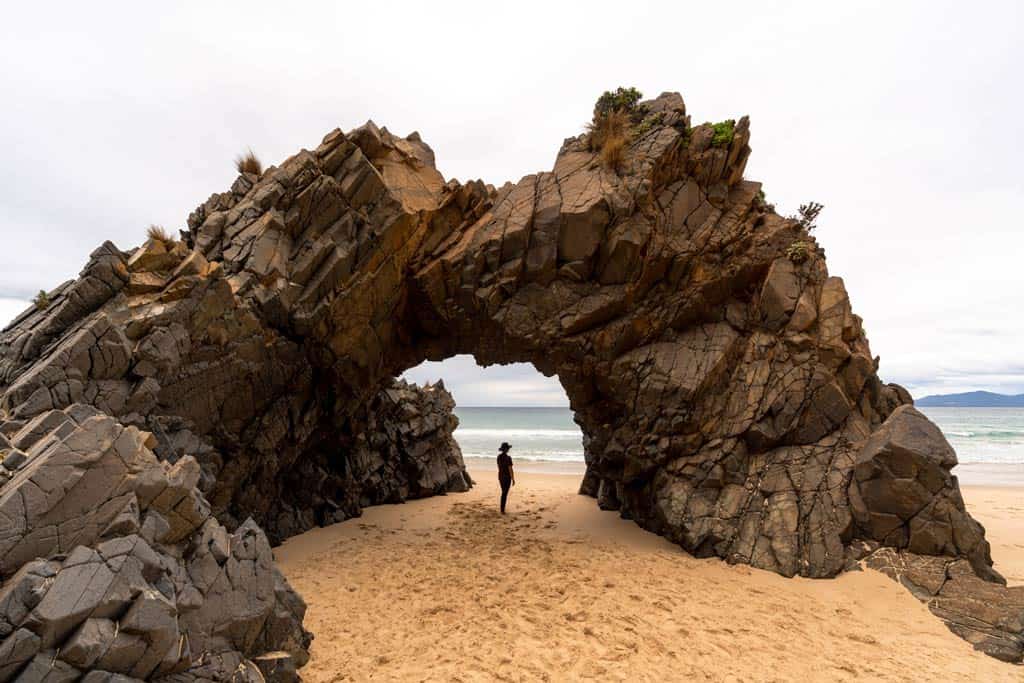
504	446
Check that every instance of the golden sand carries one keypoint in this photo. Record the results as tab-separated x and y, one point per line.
447	589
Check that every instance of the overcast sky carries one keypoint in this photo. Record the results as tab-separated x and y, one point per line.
904	119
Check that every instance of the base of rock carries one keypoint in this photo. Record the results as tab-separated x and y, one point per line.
986	614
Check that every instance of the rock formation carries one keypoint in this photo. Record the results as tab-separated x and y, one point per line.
397	447
112	564
726	391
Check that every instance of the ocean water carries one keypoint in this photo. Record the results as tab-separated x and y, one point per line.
979	435
534	433
982	435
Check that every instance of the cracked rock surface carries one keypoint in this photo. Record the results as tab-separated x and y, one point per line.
112	564
727	394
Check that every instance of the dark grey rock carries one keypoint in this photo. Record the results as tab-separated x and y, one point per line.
16	650
93	638
14	459
110	600
46	667
277	667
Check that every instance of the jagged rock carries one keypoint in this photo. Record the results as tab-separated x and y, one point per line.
99	676
277	666
726	394
903	495
70	306
91	641
16	650
108	599
14	459
145	283
46	668
397	447
986	614
607	496
153	256
779	294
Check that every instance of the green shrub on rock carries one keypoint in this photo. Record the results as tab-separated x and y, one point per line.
623	99
609	132
798	251
807	216
724	132
41	300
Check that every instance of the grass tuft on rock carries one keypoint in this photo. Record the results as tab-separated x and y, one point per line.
608	134
723	133
610	130
158	234
249	163
41	300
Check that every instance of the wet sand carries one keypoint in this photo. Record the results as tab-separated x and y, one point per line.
447	589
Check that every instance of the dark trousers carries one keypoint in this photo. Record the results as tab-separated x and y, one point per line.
506	484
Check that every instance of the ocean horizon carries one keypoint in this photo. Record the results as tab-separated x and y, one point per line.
992	436
543	433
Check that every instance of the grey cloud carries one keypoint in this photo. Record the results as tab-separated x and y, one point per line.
118	117
518	384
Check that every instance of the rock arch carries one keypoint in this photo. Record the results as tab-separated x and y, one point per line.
726	390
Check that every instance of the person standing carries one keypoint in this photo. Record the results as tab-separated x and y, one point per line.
506	477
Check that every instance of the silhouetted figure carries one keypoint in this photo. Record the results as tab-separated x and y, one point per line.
506	477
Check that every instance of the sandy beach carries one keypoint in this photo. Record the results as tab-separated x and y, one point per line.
447	589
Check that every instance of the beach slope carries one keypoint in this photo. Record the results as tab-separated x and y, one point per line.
447	589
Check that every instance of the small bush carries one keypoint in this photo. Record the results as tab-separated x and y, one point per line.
249	163
158	234
724	132
610	130
614	124
608	134
807	216
623	99
41	300
798	252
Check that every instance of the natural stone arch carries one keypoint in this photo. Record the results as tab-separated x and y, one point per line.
726	391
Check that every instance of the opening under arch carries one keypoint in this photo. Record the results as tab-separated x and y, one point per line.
513	403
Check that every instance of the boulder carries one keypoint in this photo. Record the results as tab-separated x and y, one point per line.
152	256
779	294
903	494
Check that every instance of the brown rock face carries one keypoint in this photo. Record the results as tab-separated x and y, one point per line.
727	394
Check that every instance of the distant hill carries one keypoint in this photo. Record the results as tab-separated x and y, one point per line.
972	399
